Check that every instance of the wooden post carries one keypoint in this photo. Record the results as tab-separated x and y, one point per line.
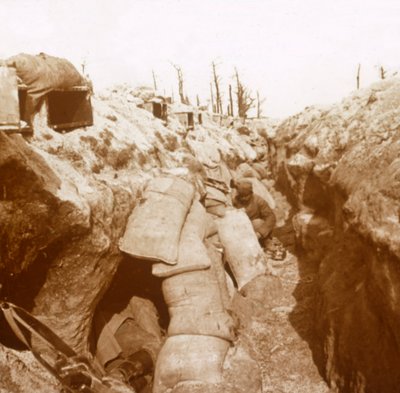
358	76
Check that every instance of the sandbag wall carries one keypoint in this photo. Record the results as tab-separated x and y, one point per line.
168	228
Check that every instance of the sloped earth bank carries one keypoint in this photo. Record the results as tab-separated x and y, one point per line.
64	203
340	167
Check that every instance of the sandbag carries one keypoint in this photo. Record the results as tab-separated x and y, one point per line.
211	228
189	358
44	73
261	169
218	209
242	249
192	253
245	170
217	265
154	227
213	193
219	174
195	305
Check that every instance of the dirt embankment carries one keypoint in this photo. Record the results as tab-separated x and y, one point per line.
64	203
340	167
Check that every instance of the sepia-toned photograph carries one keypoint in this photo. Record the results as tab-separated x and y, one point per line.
199	196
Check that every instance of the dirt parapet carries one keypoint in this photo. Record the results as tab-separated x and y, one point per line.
340	167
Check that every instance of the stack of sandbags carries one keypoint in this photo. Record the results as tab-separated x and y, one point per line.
154	228
191	289
216	201
242	249
200	329
192	253
217	183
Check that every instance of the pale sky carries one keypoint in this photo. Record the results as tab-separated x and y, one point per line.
297	53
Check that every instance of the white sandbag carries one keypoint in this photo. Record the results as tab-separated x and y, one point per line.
217	210
192	253
242	249
245	170
215	194
189	358
211	228
195	305
261	190
154	227
261	169
220	173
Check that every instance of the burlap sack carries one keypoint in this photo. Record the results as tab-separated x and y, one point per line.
217	265
192	253
195	305
242	249
189	358
154	227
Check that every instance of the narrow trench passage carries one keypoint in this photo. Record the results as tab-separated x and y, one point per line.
281	330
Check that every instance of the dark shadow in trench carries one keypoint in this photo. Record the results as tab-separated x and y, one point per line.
303	317
21	289
134	278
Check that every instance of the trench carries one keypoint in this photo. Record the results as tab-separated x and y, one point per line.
275	334
278	317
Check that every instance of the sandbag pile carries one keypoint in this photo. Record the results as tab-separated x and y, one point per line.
169	227
217	182
200	329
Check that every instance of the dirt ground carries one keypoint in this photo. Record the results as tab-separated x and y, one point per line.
280	328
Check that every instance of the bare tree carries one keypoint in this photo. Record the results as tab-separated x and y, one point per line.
212	98
83	65
382	72
358	76
154	80
217	80
230	100
244	100
259	103
180	83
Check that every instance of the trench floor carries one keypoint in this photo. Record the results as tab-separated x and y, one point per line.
280	334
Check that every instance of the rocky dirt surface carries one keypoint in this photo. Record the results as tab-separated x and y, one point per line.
339	166
276	314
